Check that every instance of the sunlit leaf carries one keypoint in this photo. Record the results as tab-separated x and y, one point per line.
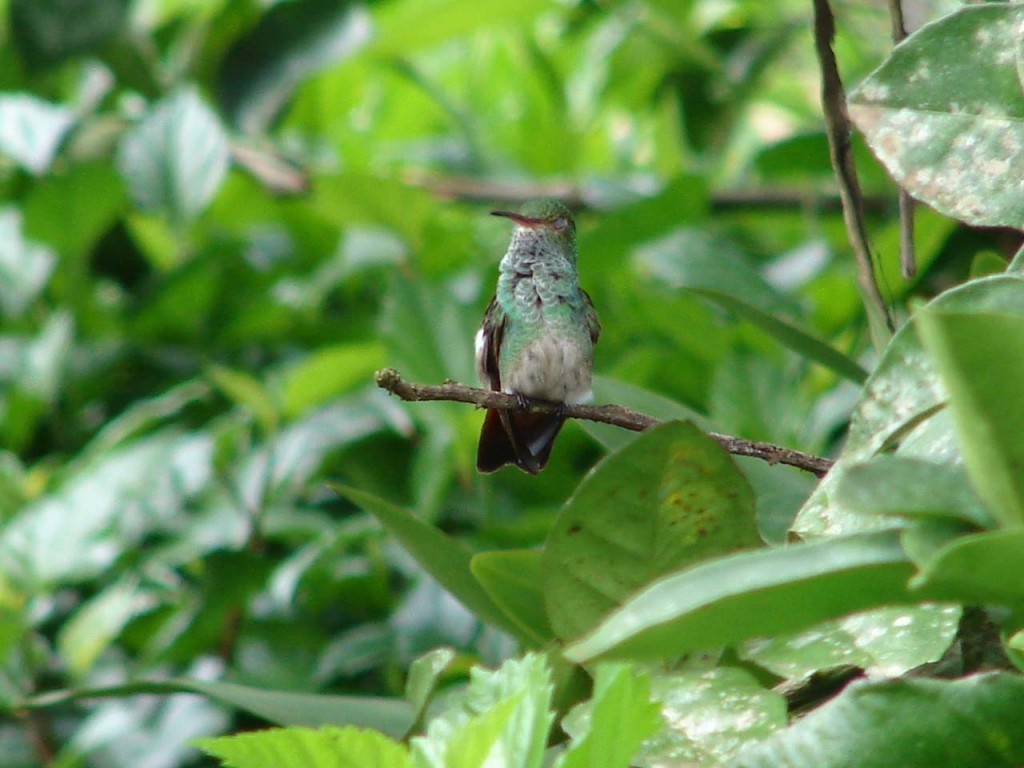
175	159
31	130
943	114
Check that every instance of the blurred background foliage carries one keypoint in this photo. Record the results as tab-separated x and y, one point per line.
219	217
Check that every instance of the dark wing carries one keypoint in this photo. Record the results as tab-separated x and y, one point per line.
488	346
508	437
593	324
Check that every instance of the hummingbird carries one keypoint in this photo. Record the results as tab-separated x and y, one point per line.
537	337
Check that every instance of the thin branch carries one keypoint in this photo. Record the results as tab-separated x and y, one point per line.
837	127
908	259
392	381
474	189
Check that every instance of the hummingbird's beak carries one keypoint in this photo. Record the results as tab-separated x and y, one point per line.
518	218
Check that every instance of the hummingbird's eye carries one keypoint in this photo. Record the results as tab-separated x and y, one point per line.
560	223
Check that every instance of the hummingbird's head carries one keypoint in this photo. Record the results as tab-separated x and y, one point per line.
548	220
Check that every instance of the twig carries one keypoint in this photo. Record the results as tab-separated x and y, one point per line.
392	381
908	260
474	189
837	127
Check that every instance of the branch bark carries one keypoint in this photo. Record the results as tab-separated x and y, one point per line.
616	415
837	127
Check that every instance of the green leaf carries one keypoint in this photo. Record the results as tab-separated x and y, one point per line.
943	115
45	33
423	675
883	641
306	748
290	42
692	258
893	485
31	130
902	408
89	197
246	391
752	594
978	356
24	266
98	622
670	498
710	716
445	559
503	718
402	28
607	730
391	716
981	568
909	723
512	579
328	372
175	159
789	334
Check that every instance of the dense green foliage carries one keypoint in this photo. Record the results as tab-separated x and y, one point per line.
220	217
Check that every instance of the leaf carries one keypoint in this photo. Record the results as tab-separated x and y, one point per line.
390	716
710	716
512	579
978	356
503	718
691	258
328	372
290	41
607	730
894	485
305	748
25	266
976	569
423	675
883	642
752	594
789	334
89	197
44	32
902	410
909	723
402	28
175	159
670	498
98	622
31	130
447	560
943	115
246	391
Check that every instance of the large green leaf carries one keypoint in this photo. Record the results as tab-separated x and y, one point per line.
943	113
445	559
978	356
24	266
751	594
670	498
909	723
